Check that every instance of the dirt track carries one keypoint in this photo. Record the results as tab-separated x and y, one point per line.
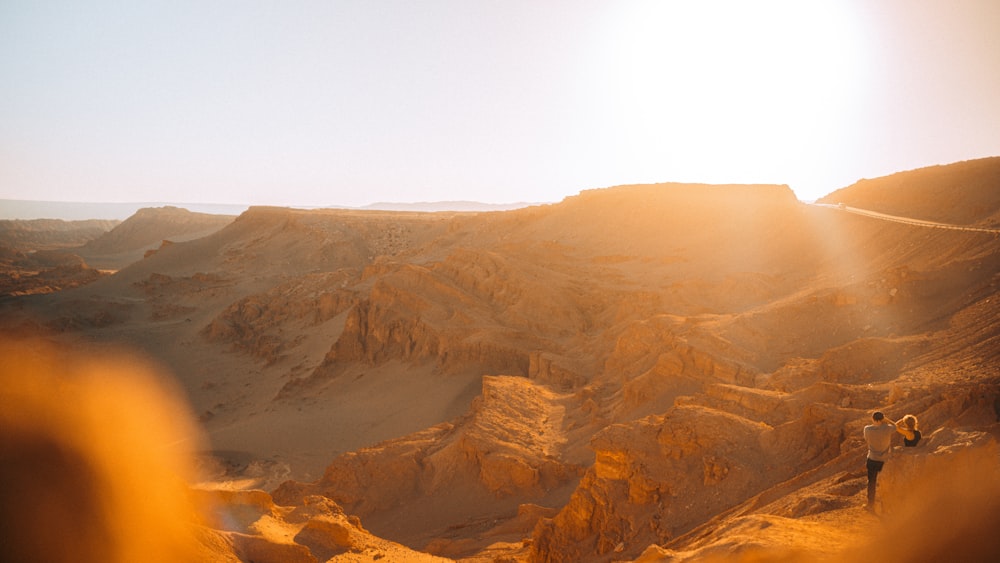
906	220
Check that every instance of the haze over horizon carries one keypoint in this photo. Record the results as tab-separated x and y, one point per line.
351	103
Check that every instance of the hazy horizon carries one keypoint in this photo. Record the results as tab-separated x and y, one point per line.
21	209
348	103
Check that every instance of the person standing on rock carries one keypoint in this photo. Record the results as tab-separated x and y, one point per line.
878	435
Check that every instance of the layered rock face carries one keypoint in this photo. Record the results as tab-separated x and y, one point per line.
509	444
656	478
652	478
254	324
461	313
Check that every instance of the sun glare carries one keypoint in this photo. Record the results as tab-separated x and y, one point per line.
743	101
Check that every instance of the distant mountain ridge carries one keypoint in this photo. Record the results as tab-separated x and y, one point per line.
447	206
16	209
84	210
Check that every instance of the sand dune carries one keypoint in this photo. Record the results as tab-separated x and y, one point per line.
669	372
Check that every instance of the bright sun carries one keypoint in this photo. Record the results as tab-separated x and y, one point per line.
733	91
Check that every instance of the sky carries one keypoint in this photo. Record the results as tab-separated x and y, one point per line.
347	103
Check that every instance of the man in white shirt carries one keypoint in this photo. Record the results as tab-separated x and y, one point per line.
879	437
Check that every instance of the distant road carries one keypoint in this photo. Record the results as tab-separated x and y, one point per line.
906	220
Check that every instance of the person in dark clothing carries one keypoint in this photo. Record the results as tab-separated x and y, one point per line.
907	426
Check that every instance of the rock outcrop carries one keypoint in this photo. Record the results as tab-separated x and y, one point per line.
249	526
44	271
509	443
257	324
656	478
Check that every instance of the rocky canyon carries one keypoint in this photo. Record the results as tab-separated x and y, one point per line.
664	372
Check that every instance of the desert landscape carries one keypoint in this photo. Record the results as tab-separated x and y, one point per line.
645	373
